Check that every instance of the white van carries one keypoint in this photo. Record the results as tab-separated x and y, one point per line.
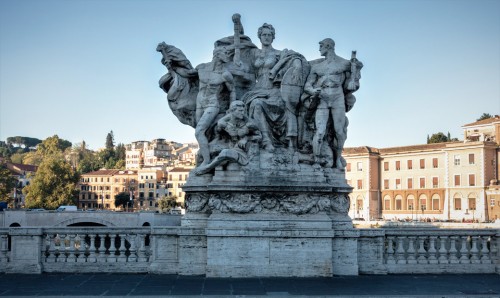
66	208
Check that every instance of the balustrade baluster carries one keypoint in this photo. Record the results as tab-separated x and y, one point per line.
141	256
122	257
71	249
453	250
485	252
92	249
443	252
63	253
463	251
400	251
51	257
411	250
422	254
101	252
133	253
432	250
80	249
474	258
112	249
4	248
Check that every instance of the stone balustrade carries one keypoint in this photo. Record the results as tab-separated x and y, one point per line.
173	249
440	251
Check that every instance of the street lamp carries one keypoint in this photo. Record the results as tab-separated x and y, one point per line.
102	199
411	209
423	209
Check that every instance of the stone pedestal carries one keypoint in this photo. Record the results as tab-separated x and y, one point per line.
25	251
268	224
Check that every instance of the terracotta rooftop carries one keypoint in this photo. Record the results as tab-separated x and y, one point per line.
179	170
485	121
360	150
102	173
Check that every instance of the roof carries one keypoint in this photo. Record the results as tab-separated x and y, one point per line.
21	167
360	150
179	170
412	148
484	122
102	173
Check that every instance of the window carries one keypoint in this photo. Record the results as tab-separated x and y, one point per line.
456	160
492	202
435	202
386	166
471	159
435	182
422	163
360	166
386	183
423	203
472	203
472	180
458	203
410	183
150	203
387	204
399	203
422	182
435	163
360	184
410	202
141	195
398	165
150	195
180	177
457	180
186	177
398	183
348	167
410	164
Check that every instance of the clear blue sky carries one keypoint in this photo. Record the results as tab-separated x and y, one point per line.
81	68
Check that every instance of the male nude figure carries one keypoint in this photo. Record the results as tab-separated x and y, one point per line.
214	78
326	83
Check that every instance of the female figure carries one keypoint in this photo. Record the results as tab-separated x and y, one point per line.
274	69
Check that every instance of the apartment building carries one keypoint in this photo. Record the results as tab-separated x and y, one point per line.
158	152
177	177
98	188
444	181
151	187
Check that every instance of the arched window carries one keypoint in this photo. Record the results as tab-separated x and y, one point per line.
399	202
471	200
387	202
422	202
436	202
457	201
410	202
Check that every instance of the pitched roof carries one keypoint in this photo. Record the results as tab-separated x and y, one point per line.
484	121
102	173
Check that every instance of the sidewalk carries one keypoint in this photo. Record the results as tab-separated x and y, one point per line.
89	285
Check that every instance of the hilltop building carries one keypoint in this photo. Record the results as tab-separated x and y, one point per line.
23	174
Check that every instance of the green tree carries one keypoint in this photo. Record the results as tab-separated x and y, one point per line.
50	146
110	141
54	184
437	138
17	157
166	203
122	199
484	116
120	151
7	183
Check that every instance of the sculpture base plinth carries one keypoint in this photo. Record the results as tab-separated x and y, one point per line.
270	230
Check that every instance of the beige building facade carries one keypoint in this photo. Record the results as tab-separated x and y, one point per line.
445	181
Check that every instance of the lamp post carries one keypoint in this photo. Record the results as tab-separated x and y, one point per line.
102	199
411	209
423	209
